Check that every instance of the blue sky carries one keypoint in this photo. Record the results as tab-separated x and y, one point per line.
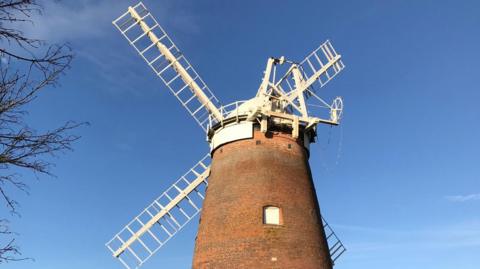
398	181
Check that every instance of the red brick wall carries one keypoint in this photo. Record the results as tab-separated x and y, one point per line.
245	177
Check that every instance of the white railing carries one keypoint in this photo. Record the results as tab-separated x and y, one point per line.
227	111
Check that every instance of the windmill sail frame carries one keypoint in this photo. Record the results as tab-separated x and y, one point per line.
163	218
157	49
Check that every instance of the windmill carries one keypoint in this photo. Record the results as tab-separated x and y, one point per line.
260	209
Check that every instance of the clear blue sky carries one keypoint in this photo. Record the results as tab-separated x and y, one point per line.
398	181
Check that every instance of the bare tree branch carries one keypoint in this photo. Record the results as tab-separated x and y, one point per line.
9	251
27	66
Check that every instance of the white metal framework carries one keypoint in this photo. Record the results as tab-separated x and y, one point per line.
162	219
154	45
284	100
298	84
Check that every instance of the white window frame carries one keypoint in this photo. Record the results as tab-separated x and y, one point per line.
272	215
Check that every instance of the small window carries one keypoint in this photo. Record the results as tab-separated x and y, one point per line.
271	215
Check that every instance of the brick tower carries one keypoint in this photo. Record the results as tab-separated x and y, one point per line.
248	177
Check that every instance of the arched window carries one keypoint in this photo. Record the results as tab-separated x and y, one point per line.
271	215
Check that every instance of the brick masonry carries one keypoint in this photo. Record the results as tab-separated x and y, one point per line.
246	175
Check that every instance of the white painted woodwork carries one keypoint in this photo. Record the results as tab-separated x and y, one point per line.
271	215
231	133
